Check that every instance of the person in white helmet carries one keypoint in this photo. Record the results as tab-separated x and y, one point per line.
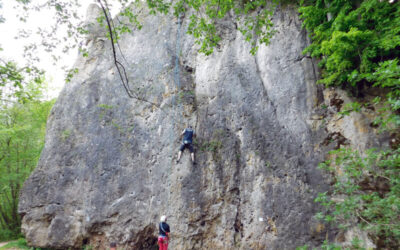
163	235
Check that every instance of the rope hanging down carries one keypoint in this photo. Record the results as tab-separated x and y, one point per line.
121	69
175	106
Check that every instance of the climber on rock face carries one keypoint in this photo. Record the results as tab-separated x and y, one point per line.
163	236
187	142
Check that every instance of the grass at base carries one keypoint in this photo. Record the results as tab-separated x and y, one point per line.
19	244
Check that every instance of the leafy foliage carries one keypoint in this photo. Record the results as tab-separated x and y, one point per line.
16	83
22	123
211	146
19	244
253	19
1	17
358	36
325	246
358	43
22	128
366	192
355	245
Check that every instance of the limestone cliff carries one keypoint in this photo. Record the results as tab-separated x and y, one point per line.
107	171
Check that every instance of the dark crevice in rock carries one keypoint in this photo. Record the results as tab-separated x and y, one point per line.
144	239
336	137
336	102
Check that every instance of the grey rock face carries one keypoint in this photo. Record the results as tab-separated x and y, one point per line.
107	171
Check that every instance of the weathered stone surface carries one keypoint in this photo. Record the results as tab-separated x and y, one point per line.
356	128
107	171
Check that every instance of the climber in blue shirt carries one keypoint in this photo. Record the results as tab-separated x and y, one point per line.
187	142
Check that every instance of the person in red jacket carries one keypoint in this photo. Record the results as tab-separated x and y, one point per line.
163	236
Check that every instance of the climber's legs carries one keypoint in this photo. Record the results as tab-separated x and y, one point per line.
192	154
183	146
191	151
179	156
163	243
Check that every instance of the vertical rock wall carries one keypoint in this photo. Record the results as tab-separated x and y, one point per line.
107	171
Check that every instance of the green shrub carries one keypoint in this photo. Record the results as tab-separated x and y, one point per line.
369	191
20	244
358	47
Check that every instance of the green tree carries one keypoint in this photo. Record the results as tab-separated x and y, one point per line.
14	82
22	130
14	79
351	37
358	44
366	193
23	117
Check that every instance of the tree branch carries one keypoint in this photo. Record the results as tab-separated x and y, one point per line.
118	65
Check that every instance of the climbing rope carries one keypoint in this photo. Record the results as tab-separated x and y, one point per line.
120	67
175	103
